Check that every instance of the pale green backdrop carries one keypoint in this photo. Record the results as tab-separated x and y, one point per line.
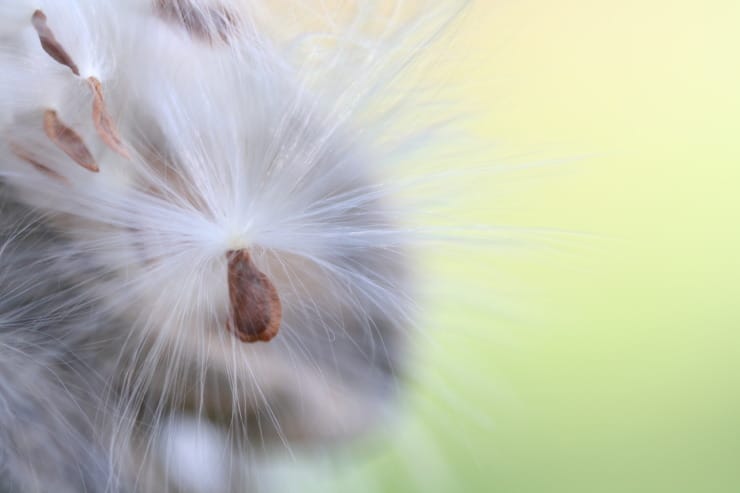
600	350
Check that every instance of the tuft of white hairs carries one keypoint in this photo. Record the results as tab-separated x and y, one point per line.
142	141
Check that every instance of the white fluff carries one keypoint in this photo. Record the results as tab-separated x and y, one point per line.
250	136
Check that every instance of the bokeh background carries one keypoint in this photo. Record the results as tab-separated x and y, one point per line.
596	348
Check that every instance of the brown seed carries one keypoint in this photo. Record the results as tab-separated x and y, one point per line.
255	305
50	44
27	157
103	123
205	23
68	141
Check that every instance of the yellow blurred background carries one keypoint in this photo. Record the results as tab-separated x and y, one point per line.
600	350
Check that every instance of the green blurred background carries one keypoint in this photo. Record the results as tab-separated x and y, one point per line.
599	350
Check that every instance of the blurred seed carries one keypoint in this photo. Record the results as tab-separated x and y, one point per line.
204	22
68	141
103	122
50	44
27	157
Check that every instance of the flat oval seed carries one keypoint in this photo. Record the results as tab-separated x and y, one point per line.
255	305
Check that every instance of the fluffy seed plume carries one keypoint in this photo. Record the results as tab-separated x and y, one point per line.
252	190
